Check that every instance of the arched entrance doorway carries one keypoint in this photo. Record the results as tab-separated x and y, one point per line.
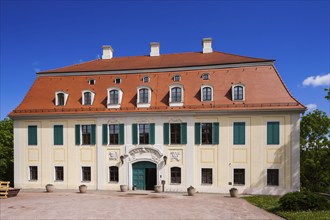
144	175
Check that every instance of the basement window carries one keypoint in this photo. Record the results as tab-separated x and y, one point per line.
91	82
118	80
206	76
146	79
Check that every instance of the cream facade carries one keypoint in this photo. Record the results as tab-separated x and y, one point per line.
255	156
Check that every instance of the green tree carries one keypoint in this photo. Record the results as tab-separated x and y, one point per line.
315	151
328	93
6	150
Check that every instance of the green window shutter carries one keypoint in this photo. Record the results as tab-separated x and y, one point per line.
183	133
239	133
215	134
273	132
93	134
77	133
105	134
166	133
32	135
197	133
121	134
134	134
152	134
58	134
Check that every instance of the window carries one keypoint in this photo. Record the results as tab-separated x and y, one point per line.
114	134
33	173
207	133
177	78
273	133
144	132
91	82
86	173
113	97
205	76
143	96
175	133
207	93
58	134
272	177
113	174
87	98
146	79
238	93
59	174
206	176
239	133
176	175
176	94
32	135
88	134
117	80
239	176
60	98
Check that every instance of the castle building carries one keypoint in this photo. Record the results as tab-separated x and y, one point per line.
206	119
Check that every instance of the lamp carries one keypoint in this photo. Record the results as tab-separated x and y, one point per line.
122	159
165	159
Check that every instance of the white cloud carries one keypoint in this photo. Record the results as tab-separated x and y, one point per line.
311	107
317	80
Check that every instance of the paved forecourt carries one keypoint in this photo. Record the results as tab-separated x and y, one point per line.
66	204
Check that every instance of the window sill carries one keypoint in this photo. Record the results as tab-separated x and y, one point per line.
113	105
143	105
176	104
58	181
113	182
207	184
86	181
175	184
239	185
272	185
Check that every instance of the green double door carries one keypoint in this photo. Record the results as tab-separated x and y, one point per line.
144	175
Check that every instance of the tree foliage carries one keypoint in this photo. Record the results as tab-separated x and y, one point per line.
315	151
6	149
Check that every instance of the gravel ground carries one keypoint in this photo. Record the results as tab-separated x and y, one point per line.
66	204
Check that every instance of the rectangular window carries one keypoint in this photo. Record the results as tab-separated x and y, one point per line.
144	132
239	133
86	134
86	173
206	133
206	176
175	133
59	173
58	134
272	177
33	173
239	176
273	133
32	135
114	134
113	173
176	175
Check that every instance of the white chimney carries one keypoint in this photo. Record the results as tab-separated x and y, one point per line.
107	52
207	45
154	49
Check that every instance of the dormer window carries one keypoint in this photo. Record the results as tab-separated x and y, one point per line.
146	79
91	82
87	97
143	97
117	81
115	96
206	93
238	92
176	78
176	95
206	76
61	98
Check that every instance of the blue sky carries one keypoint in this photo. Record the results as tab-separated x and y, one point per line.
42	35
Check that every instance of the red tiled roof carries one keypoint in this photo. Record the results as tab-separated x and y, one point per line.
264	90
162	61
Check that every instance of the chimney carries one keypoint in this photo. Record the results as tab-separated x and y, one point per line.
154	49
207	45
107	52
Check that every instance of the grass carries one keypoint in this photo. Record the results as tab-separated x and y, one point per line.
271	204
